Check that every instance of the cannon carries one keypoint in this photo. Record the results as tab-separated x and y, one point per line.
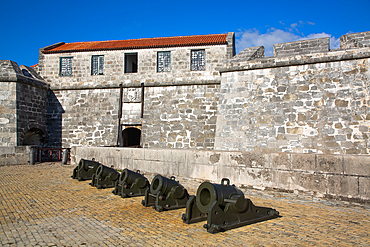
131	184
165	194
85	169
224	207
104	177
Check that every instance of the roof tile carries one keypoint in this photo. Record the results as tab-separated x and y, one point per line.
195	40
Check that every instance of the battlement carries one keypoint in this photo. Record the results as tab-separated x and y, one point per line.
352	46
355	40
301	47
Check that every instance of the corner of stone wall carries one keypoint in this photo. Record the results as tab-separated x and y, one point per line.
230	50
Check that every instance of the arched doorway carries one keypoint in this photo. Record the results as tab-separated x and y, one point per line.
34	136
131	137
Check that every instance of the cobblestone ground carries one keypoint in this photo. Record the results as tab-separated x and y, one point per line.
41	205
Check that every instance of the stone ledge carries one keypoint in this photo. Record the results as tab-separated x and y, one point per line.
274	62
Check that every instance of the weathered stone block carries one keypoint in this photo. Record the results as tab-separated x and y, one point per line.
330	164
357	165
364	187
339	185
313	182
304	162
250	159
280	161
288	180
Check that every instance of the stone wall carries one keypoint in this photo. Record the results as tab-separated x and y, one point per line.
355	40
307	103
301	47
180	116
14	155
23	97
334	176
8	104
31	111
86	117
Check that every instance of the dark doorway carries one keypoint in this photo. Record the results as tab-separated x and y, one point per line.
131	137
34	137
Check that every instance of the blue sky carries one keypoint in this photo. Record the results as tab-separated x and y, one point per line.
27	26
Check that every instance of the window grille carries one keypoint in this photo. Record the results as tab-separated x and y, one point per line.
198	60
164	61
66	66
97	65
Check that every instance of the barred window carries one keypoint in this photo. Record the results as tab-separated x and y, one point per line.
163	61
97	65
65	68
198	60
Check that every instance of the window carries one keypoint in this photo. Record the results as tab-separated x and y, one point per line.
198	60
163	61
97	65
131	63
65	68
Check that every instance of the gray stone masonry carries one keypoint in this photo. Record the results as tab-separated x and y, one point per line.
306	103
334	176
23	98
301	47
355	40
180	117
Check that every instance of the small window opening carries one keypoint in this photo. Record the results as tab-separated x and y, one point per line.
131	63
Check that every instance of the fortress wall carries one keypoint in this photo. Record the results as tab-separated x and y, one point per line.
180	116
84	117
316	103
335	176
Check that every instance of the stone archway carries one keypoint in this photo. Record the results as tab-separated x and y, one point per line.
35	137
131	137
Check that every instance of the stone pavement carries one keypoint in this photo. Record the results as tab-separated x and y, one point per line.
41	205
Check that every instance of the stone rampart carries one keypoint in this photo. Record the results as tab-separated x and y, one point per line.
339	176
306	103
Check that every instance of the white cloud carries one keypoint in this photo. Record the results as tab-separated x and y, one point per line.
253	37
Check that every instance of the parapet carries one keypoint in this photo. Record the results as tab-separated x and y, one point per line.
301	47
352	46
11	72
248	54
355	40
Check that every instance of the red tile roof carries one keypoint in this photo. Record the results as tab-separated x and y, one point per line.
195	40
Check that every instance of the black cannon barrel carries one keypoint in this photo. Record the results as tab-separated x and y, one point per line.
104	171
207	193
129	177
88	164
166	185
